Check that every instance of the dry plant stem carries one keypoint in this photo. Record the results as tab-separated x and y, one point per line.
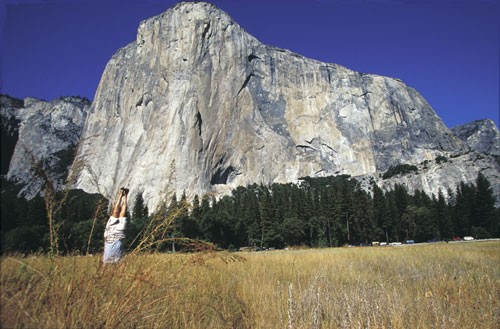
52	205
422	286
99	208
154	234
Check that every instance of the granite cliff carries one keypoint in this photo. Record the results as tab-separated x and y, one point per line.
197	104
40	138
480	136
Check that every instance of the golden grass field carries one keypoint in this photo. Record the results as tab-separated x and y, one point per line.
454	285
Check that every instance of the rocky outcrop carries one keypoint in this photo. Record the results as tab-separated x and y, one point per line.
442	175
9	129
47	134
196	104
480	136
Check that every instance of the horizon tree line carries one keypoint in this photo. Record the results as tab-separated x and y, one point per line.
318	212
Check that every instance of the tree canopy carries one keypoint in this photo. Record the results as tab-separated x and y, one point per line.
317	212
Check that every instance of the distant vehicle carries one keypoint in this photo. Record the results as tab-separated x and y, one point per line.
410	241
375	243
468	238
395	243
383	243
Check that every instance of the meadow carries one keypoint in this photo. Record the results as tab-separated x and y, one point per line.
440	285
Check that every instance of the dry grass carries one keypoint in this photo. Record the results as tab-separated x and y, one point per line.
422	286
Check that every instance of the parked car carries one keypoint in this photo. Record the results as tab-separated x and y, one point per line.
468	238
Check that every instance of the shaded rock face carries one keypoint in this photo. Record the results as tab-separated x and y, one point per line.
196	104
44	139
435	176
480	136
9	127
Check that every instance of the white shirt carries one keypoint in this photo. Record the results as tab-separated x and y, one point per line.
115	229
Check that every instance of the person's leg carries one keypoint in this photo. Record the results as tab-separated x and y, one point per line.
123	211
116	209
113	252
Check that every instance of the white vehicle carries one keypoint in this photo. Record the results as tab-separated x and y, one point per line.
468	238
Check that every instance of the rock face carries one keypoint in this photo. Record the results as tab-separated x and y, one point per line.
196	104
45	134
443	176
9	127
480	136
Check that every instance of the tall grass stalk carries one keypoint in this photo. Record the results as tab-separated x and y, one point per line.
53	202
421	286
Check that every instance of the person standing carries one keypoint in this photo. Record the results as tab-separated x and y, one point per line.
114	232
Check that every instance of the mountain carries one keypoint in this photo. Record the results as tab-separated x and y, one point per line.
443	174
40	139
480	136
197	105
9	125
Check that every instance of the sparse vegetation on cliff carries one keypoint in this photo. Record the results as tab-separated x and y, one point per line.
399	170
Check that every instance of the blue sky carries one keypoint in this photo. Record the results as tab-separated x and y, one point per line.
448	50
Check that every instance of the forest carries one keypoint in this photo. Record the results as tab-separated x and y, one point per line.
317	212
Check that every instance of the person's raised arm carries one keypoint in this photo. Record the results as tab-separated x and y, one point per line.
124	204
116	209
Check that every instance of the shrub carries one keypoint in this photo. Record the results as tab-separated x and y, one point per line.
399	170
441	159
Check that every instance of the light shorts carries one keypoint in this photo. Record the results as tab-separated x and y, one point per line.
113	252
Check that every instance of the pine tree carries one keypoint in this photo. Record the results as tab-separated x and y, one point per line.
196	212
401	198
425	227
138	221
465	208
267	227
379	212
140	210
486	219
391	219
443	217
364	224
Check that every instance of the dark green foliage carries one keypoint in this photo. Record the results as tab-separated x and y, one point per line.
399	170
25	224
80	215
441	159
9	135
137	222
25	239
486	216
317	212
425	225
64	158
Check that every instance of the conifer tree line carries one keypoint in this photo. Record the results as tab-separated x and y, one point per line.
317	212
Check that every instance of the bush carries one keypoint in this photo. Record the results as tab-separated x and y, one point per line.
399	170
24	239
441	159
